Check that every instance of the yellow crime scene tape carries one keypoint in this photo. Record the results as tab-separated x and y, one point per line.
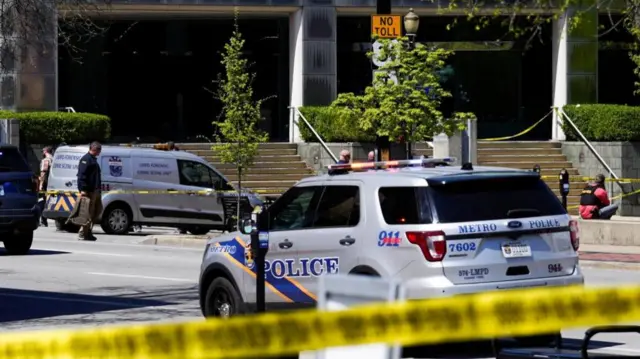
201	193
525	131
477	316
587	179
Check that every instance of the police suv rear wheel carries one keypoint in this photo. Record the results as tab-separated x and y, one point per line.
223	300
116	220
18	243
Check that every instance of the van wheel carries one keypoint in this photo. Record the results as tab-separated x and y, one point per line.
116	220
18	244
198	231
222	300
62	225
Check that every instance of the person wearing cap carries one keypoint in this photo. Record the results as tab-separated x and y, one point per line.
594	201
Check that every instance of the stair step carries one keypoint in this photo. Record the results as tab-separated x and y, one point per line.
269	177
529	164
529	158
261	152
228	171
572	186
262	164
518	144
259	158
261	146
266	184
519	152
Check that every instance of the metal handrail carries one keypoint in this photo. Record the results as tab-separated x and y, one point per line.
315	133
591	148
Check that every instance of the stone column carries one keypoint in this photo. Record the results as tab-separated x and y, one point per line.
313	59
575	61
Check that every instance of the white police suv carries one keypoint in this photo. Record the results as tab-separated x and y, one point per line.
441	230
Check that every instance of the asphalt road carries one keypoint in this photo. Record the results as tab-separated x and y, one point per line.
67	283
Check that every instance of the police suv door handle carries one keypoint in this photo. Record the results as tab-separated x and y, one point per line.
347	241
285	245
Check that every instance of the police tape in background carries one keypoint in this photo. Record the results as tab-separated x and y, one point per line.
612	198
199	193
477	316
524	132
587	179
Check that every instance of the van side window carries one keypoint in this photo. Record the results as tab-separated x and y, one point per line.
219	183
194	174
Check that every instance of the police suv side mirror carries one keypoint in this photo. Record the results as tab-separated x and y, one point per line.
246	226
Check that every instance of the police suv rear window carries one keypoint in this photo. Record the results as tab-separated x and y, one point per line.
404	205
12	161
494	198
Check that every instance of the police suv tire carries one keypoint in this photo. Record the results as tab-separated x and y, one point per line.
18	244
235	300
105	225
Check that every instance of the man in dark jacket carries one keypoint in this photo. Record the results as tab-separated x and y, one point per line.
89	184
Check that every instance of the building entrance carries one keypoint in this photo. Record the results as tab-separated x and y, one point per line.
154	78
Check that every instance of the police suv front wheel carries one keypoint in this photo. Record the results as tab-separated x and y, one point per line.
222	300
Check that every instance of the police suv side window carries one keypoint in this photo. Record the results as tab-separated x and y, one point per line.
404	205
339	206
294	210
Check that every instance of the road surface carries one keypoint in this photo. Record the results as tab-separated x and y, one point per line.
68	283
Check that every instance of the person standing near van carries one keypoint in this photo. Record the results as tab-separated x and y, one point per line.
45	168
89	184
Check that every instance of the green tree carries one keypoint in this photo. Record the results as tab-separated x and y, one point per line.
238	136
404	99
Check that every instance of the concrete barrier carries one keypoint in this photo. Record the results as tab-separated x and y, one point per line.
618	232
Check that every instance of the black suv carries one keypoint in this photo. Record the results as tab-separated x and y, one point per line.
19	211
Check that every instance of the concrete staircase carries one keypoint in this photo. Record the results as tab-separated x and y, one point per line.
525	155
276	168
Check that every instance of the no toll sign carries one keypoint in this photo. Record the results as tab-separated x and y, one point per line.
386	26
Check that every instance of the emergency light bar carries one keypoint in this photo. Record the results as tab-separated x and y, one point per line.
365	166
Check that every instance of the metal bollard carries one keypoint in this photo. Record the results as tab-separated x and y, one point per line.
564	186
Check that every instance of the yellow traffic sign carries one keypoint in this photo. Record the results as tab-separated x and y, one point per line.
386	26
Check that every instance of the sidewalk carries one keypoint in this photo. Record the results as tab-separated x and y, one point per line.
606	256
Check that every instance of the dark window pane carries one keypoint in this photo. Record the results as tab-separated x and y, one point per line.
338	207
404	205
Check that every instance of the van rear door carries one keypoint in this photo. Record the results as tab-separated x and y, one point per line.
501	227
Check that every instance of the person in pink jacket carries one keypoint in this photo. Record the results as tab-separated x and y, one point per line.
594	201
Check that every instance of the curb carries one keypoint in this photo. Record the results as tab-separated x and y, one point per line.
176	241
609	265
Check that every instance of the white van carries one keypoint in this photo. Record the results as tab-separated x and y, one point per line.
138	169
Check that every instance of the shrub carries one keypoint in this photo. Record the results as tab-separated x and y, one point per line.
601	122
333	125
56	127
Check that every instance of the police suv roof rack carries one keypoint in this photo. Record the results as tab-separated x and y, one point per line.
366	166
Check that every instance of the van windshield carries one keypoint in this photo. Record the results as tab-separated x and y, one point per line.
494	198
12	161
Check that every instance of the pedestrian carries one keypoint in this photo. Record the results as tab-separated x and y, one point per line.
594	201
43	181
371	157
172	146
89	184
345	157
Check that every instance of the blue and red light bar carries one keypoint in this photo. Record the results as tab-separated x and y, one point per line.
365	166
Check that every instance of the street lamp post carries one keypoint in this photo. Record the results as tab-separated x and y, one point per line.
411	23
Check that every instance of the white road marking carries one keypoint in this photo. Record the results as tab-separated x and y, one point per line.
143	277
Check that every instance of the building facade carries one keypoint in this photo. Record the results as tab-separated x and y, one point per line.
306	52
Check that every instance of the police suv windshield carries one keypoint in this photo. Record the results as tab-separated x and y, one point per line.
12	161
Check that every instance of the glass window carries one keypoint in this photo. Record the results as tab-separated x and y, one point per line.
219	183
404	205
194	174
494	198
294	210
12	161
339	206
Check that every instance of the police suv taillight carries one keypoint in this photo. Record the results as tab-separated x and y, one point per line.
575	234
432	244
